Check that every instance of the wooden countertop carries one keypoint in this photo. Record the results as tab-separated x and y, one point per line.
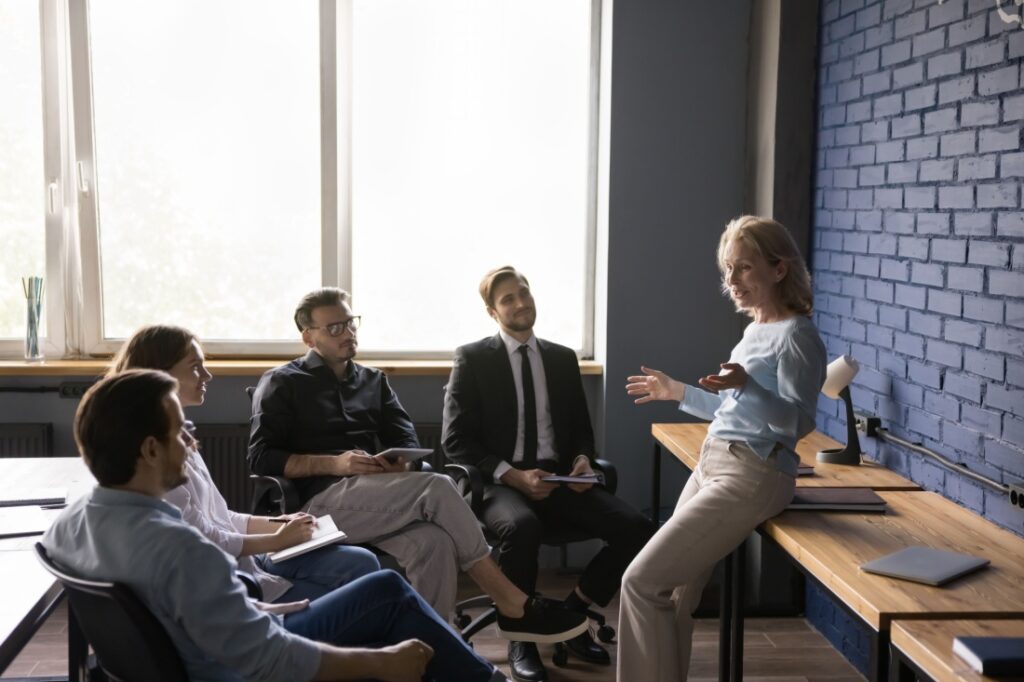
248	367
684	441
831	546
929	644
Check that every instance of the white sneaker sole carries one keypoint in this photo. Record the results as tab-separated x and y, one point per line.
543	639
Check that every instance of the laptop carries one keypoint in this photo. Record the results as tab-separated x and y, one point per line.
925	565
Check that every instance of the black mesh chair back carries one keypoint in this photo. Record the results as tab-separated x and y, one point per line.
130	643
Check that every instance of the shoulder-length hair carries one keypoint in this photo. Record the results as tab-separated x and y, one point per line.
775	244
157	346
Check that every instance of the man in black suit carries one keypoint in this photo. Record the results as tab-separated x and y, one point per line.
515	409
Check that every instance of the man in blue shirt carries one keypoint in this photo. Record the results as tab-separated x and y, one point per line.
129	429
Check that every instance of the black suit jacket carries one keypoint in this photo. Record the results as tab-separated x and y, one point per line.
481	412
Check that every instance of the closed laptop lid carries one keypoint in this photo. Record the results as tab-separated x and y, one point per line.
925	565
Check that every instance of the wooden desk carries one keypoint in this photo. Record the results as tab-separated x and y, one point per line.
684	441
28	594
924	648
830	547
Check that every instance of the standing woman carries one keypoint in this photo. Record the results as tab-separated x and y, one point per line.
245	537
760	404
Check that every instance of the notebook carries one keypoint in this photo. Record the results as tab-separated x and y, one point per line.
925	565
992	655
326	533
20	521
837	499
33	497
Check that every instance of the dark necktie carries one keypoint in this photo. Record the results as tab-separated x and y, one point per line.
529	411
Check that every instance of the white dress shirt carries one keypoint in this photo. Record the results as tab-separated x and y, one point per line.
203	507
545	432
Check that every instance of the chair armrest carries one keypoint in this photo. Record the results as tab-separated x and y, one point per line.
252	587
611	476
269	492
467	475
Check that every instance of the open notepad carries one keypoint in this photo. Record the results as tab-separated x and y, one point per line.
326	533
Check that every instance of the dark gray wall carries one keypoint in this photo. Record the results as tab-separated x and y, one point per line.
677	174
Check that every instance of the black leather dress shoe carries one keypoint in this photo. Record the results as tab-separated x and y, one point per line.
524	662
585	648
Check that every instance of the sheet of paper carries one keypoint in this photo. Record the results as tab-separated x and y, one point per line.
20	521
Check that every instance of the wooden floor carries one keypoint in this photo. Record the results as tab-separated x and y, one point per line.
776	650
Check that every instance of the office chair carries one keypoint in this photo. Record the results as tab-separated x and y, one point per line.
470	483
130	643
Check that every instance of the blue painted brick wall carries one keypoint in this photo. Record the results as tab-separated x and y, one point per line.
918	242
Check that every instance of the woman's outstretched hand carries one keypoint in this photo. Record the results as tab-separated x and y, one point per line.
654	385
734	376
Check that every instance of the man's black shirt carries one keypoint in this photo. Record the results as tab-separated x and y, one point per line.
302	408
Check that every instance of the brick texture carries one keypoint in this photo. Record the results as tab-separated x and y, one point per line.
918	244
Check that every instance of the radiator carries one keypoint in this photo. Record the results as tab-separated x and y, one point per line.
224	447
26	440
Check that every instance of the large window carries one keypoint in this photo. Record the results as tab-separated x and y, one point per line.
469	151
22	182
207	163
226	156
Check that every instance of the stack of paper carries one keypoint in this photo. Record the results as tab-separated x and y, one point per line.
33	497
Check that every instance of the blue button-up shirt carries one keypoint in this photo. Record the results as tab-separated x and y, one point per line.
186	581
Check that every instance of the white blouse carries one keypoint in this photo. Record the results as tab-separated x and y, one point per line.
204	507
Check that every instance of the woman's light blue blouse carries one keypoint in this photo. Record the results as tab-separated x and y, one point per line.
785	364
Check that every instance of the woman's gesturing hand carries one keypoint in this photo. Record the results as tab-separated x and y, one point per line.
733	377
654	385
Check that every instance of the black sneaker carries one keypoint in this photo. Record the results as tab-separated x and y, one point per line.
544	622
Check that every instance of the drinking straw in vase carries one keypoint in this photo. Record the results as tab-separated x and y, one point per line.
33	288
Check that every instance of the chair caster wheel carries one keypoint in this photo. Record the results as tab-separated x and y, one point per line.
606	633
462	620
561	657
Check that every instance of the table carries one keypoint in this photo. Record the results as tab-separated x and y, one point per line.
924	648
684	442
28	594
830	547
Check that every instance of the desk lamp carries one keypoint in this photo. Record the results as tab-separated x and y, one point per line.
841	372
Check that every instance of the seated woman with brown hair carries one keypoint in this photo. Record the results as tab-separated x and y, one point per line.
247	538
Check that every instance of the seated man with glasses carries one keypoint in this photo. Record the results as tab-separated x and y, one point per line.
317	419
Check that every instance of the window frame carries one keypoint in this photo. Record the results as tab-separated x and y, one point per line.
74	258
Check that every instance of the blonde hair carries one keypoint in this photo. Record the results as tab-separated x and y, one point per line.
495	277
773	242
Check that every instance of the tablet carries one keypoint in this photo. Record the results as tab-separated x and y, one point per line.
408	454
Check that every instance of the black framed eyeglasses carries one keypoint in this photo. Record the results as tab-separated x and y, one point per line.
338	328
